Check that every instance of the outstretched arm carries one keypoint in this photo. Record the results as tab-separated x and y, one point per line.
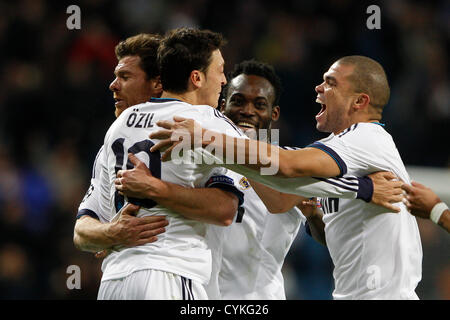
385	191
424	203
241	152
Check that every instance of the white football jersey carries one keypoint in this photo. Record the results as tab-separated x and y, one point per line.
255	245
254	248
376	255
183	248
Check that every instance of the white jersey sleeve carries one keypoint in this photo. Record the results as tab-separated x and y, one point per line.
255	247
345	186
93	202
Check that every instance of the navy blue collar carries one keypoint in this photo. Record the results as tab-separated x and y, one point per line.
163	99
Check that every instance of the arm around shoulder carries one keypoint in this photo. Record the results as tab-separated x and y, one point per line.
307	162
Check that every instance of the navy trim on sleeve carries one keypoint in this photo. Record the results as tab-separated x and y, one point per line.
226	184
87	212
341	164
365	190
340	183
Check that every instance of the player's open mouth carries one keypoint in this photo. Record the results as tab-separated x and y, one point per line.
117	101
323	107
245	124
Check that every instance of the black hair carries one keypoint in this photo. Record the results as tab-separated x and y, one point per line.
256	68
145	46
183	50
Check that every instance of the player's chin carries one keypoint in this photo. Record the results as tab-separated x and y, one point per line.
214	103
119	110
320	126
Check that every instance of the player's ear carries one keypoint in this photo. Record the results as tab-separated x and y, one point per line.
362	101
196	78
275	113
157	86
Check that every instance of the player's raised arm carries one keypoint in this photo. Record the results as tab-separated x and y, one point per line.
299	166
240	152
380	188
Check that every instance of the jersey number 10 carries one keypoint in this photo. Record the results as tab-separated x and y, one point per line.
154	165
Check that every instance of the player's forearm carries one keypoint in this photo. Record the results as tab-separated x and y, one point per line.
317	226
210	205
239	152
275	201
269	159
347	187
91	235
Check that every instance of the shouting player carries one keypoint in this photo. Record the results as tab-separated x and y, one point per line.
376	256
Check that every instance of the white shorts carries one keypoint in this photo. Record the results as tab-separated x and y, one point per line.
151	284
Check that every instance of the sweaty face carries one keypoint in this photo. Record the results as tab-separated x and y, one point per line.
249	102
214	80
131	85
335	95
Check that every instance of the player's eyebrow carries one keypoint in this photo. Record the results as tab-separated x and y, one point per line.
329	79
122	73
242	95
237	95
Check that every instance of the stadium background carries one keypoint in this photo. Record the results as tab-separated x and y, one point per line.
55	108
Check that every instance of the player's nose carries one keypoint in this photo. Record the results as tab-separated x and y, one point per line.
223	80
248	109
319	88
114	85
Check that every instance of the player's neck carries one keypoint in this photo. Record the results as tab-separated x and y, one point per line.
337	131
188	97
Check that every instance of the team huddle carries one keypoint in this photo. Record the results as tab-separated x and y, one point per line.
220	229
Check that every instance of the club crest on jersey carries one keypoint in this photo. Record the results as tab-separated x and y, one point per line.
244	183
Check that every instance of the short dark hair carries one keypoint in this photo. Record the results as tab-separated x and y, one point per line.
369	77
183	50
256	68
145	46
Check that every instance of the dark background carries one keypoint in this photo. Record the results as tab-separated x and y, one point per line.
56	107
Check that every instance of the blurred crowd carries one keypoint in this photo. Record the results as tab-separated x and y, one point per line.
56	107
